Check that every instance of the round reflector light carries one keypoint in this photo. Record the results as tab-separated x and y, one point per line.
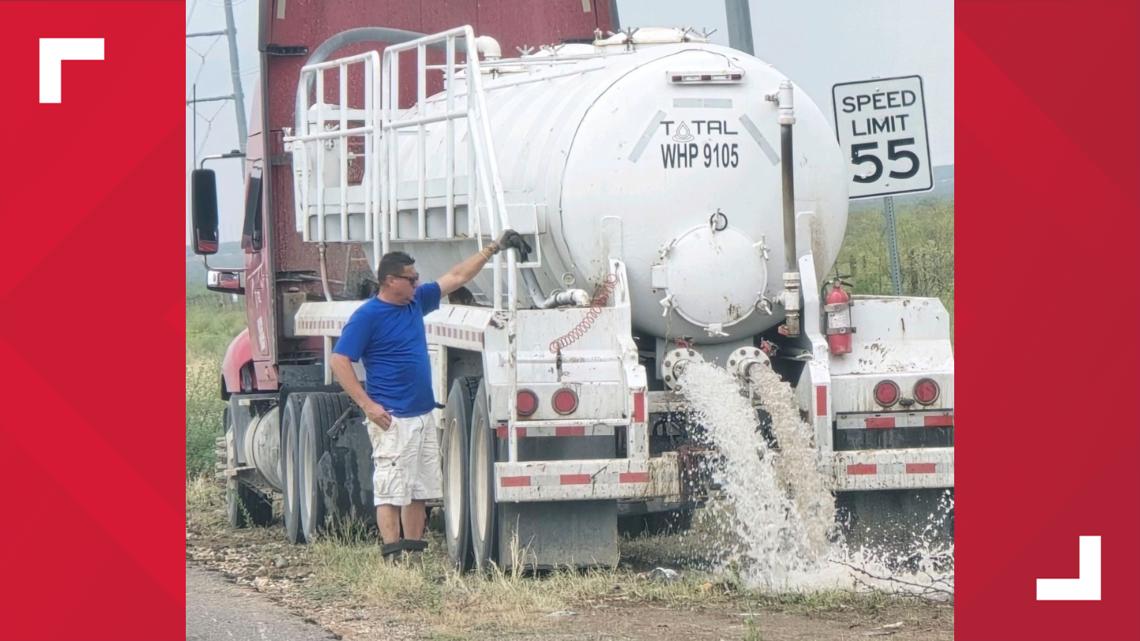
886	393
526	402
564	401
926	391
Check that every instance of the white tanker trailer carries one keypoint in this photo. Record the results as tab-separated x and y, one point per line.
653	174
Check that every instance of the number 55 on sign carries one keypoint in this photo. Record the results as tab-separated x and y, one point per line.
881	125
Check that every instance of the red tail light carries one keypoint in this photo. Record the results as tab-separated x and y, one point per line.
564	401
886	393
526	402
926	391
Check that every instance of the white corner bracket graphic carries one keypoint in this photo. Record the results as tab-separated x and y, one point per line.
53	51
1086	587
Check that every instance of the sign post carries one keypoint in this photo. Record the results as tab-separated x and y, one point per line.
881	126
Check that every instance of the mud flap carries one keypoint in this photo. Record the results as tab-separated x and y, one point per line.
344	474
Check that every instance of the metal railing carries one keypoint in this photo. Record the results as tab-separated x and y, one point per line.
314	135
483	181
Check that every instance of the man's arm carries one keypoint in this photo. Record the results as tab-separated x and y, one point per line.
460	274
342	369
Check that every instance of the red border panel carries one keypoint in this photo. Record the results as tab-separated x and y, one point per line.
92	324
1047	231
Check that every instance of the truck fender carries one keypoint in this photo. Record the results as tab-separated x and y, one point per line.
238	355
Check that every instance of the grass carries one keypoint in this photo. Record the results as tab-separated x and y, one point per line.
459	605
212	320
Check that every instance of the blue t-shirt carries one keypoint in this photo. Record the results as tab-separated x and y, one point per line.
392	342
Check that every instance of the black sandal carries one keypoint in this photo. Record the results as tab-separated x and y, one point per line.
392	551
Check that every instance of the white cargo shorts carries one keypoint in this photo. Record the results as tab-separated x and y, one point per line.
406	461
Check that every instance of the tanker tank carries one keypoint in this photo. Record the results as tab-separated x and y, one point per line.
663	153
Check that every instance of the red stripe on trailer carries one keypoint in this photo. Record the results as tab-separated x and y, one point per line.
501	431
639	407
821	400
633	477
880	423
862	468
515	481
570	430
574	479
920	468
938	421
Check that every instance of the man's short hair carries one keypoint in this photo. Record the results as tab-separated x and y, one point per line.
393	264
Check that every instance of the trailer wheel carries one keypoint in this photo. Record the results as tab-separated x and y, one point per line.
481	496
291	510
318	414
456	484
245	506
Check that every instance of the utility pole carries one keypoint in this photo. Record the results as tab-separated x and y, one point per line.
893	262
739	25
237	96
235	75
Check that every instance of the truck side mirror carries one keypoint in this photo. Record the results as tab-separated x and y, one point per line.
204	212
226	281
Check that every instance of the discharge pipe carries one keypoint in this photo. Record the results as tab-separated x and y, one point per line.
791	294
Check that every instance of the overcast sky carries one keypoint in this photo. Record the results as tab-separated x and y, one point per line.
817	43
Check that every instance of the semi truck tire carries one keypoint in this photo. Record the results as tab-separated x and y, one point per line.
456	484
481	495
291	510
318	414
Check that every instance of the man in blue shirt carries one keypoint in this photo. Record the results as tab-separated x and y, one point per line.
388	333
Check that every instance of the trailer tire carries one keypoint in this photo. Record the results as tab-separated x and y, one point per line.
456	484
291	509
481	495
318	414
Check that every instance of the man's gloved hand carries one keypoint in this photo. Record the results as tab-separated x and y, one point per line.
511	239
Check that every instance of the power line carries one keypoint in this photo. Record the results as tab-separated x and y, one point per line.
202	57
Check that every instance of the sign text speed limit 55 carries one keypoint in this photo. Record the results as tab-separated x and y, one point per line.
881	126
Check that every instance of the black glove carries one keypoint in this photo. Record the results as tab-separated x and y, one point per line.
511	239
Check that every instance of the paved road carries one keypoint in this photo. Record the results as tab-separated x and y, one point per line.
217	610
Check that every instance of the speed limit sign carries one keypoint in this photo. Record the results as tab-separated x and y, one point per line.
881	125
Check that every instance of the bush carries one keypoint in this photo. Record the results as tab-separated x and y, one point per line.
925	230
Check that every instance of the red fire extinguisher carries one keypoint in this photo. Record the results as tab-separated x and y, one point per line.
837	305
